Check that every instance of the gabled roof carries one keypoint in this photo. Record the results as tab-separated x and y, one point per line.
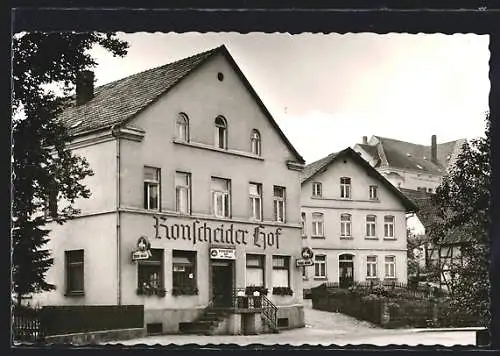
427	214
118	102
322	165
406	155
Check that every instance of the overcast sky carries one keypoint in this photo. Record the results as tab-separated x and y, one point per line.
327	91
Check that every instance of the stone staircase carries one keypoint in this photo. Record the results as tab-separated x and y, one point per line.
206	324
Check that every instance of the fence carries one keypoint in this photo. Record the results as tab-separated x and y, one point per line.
391	289
396	308
35	324
26	325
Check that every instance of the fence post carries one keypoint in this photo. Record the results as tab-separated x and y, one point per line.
435	312
385	315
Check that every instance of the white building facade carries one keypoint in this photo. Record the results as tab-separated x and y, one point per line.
196	194
354	221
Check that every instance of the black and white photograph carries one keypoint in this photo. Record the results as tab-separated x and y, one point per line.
250	188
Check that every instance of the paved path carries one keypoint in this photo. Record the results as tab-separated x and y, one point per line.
324	328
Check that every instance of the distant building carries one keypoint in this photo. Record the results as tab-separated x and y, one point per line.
411	166
408	165
195	197
354	221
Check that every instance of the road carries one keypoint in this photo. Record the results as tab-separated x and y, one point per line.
324	328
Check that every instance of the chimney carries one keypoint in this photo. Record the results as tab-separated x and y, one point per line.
365	140
433	149
84	86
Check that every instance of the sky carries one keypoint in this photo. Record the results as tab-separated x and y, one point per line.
326	91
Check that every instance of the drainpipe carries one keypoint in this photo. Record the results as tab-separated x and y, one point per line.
115	131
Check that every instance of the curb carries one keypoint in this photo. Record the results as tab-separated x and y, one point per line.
471	328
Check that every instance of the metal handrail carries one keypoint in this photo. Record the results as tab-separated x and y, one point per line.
270	312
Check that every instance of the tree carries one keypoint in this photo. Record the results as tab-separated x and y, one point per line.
463	201
45	172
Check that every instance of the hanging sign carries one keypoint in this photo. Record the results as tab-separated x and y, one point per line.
302	262
143	251
307	253
223	253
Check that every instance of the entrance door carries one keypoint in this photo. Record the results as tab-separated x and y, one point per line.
222	283
346	271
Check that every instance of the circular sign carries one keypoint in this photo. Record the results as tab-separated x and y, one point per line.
213	253
143	244
307	253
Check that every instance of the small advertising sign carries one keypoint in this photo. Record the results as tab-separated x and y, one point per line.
303	263
307	253
141	255
143	251
223	253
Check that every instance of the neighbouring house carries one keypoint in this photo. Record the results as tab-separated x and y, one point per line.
444	252
411	167
195	197
354	220
408	165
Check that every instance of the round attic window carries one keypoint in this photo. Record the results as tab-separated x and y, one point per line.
220	76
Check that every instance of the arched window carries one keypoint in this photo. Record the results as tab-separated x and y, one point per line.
255	142
345	225
220	132
182	125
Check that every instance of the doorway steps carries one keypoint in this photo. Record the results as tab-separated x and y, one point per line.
207	324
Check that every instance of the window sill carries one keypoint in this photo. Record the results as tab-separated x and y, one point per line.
216	149
74	294
390	238
320	278
371	238
304	236
346	237
318	237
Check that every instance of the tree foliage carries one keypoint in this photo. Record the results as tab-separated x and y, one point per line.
463	201
45	172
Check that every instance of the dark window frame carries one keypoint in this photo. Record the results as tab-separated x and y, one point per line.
72	262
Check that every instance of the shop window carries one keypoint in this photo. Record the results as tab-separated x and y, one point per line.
279	200
221	197
74	272
183	192
221	132
150	274
184	273
255	142
281	271
151	188
182	124
255	270
255	196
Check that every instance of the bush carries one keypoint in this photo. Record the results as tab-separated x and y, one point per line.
282	291
186	290
250	289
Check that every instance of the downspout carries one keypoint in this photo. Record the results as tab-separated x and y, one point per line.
115	131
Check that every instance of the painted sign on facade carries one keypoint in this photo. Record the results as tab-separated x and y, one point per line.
202	232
